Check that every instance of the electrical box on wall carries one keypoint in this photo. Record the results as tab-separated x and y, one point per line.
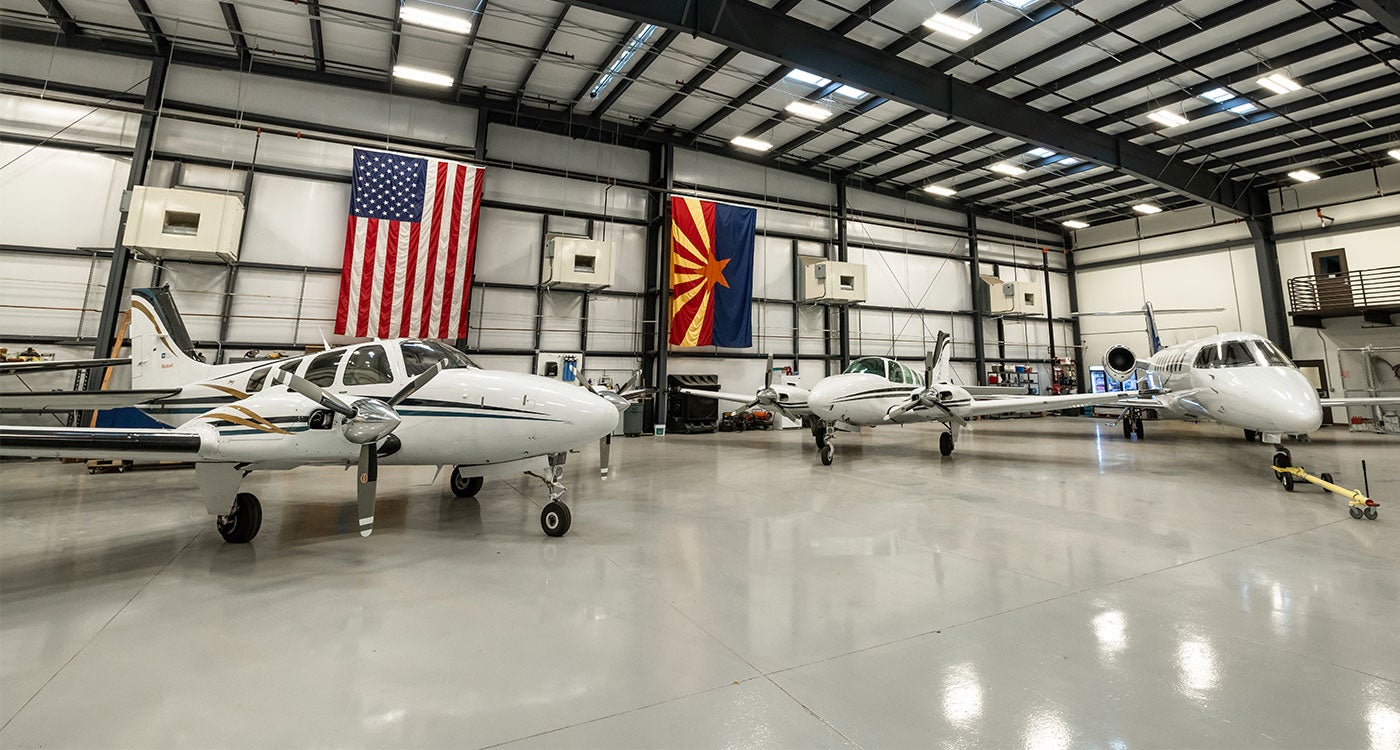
1000	297
562	366
184	224
832	282
576	263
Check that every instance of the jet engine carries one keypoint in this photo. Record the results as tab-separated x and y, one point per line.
1119	362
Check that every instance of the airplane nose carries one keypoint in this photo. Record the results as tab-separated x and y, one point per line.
593	416
821	400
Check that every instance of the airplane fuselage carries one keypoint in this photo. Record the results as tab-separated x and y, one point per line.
865	400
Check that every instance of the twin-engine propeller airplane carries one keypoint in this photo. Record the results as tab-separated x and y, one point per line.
396	402
875	391
787	400
1237	379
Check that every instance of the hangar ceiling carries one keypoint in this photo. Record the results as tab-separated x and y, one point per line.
1048	110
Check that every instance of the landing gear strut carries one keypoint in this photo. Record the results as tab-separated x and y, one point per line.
463	485
242	521
555	517
825	448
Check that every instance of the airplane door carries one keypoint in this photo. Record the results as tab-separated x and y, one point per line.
1315	370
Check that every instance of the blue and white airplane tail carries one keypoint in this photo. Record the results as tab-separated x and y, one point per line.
162	354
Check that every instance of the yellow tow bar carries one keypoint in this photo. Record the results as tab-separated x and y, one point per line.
1361	506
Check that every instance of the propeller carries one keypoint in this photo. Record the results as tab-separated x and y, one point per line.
367	421
629	394
930	397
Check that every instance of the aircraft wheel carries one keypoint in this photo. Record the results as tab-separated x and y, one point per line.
828	453
1355	512
1137	427
1127	427
464	486
1288	482
1326	478
243	519
555	519
945	444
1371	514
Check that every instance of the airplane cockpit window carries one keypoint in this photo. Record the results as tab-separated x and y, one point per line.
418	356
257	379
897	373
868	365
1272	354
1226	354
322	369
368	365
911	377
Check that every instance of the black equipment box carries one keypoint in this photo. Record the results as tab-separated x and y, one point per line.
691	414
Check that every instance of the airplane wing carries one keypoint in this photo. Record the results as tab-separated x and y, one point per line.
1362	402
1018	404
68	442
59	401
24	368
995	390
738	398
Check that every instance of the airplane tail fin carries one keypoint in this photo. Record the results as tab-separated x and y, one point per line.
942	354
162	354
1150	314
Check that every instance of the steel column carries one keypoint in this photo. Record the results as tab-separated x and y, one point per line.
974	273
1270	283
113	300
656	315
1077	347
842	248
1049	305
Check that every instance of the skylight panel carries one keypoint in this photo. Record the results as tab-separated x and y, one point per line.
1244	109
811	79
1219	95
1018	4
1041	153
1068	161
633	46
851	92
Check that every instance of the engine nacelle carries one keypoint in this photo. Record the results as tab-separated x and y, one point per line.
1119	362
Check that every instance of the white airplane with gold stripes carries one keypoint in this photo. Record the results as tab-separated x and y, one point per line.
399	402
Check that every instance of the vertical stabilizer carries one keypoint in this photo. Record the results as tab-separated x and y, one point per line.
940	371
162	354
1154	341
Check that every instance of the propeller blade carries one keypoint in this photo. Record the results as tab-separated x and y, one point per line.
314	392
367	478
951	415
418	382
631	383
638	394
768	374
748	406
604	453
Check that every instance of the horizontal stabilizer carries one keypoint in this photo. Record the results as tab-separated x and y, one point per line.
25	368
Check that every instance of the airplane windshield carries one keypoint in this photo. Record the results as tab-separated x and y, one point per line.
1272	355
869	365
1226	354
418	356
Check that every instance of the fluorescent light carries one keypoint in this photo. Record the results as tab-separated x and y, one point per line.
432	19
1147	208
753	144
1219	95
1002	167
1075	224
1018	4
807	111
811	79
1279	83
953	27
1243	109
1168	118
419	75
1042	153
1303	175
1394	153
851	92
1068	161
943	191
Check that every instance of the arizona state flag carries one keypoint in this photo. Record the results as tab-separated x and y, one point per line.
711	273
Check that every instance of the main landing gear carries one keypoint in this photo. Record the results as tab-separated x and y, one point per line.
945	444
1132	423
555	517
463	485
242	521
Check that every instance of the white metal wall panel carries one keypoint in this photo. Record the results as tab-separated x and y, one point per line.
54	63
39	118
296	221
508	245
711	171
57	198
571	154
562	194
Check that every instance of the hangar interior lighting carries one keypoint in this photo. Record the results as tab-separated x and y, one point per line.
1010	170
1168	118
1303	175
419	75
954	27
1279	83
1147	208
807	111
1075	224
940	190
752	144
419	16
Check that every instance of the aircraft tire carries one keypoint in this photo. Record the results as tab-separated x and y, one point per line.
828	454
555	518
243	520
464	486
1127	427
1137	427
945	444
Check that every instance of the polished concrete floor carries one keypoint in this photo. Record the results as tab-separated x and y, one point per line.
1050	586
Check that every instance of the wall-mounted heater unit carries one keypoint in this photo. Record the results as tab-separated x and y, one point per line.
576	263
832	282
184	224
1000	297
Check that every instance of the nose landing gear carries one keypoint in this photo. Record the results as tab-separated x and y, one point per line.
555	518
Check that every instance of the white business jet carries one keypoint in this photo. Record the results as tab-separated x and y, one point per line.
396	402
1237	379
875	391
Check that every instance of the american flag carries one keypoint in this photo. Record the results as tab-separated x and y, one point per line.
410	244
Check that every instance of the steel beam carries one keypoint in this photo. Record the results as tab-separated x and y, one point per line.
318	43
612	55
152	27
58	15
235	32
758	30
655	303
467	46
115	295
544	50
1387	12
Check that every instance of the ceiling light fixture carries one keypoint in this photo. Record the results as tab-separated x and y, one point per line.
434	20
1147	208
1010	170
1218	95
752	144
956	28
807	111
939	190
1075	224
1018	4
811	79
419	75
1394	153
1243	109
1279	83
1168	118
1303	175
